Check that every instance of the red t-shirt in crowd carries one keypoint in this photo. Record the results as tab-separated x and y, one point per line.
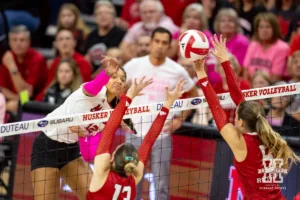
33	69
295	44
84	69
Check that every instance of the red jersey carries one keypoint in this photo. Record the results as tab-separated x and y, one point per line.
256	183
115	188
84	69
33	70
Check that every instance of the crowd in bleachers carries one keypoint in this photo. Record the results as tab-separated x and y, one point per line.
263	37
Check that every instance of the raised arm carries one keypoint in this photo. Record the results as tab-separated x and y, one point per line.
227	130
102	159
220	52
157	125
93	87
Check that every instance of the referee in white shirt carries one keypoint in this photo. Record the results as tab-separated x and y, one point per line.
165	72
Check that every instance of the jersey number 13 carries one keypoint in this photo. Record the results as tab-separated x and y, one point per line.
118	189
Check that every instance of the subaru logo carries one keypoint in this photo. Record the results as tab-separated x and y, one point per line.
196	101
42	123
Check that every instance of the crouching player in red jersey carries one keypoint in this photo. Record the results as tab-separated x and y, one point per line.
116	176
259	152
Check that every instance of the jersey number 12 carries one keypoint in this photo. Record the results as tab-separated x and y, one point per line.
118	188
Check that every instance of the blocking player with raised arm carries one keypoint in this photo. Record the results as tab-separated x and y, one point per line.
116	175
255	145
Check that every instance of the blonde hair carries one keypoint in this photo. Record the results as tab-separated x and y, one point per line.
130	169
264	74
230	12
254	117
79	23
201	14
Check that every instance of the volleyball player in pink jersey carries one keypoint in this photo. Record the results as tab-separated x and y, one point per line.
116	176
253	142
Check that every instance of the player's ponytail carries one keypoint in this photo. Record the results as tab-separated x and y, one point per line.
272	140
126	160
253	115
130	169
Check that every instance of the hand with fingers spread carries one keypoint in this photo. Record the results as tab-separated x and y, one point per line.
220	50
171	96
137	87
111	65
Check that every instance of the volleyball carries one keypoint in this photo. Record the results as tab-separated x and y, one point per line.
193	45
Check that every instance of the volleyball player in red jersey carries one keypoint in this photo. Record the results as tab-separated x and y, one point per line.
253	142
116	176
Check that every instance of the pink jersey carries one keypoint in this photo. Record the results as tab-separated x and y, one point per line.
256	183
115	188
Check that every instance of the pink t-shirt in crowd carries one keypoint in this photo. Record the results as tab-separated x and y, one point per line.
238	46
271	60
2	108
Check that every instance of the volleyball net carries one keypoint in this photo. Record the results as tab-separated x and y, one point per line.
201	165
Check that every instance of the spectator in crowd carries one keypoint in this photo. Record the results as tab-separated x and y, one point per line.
165	73
2	108
260	79
116	53
106	36
22	68
143	45
65	43
285	11
69	18
130	12
267	52
294	27
193	18
211	8
294	108
247	10
67	80
174	9
152	15
295	43
222	87
227	23
278	116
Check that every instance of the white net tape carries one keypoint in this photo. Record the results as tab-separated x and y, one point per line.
102	116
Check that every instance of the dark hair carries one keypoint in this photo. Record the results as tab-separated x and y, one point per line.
162	30
254	117
64	29
121	68
125	159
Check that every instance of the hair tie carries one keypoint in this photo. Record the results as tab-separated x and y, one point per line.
128	158
258	116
